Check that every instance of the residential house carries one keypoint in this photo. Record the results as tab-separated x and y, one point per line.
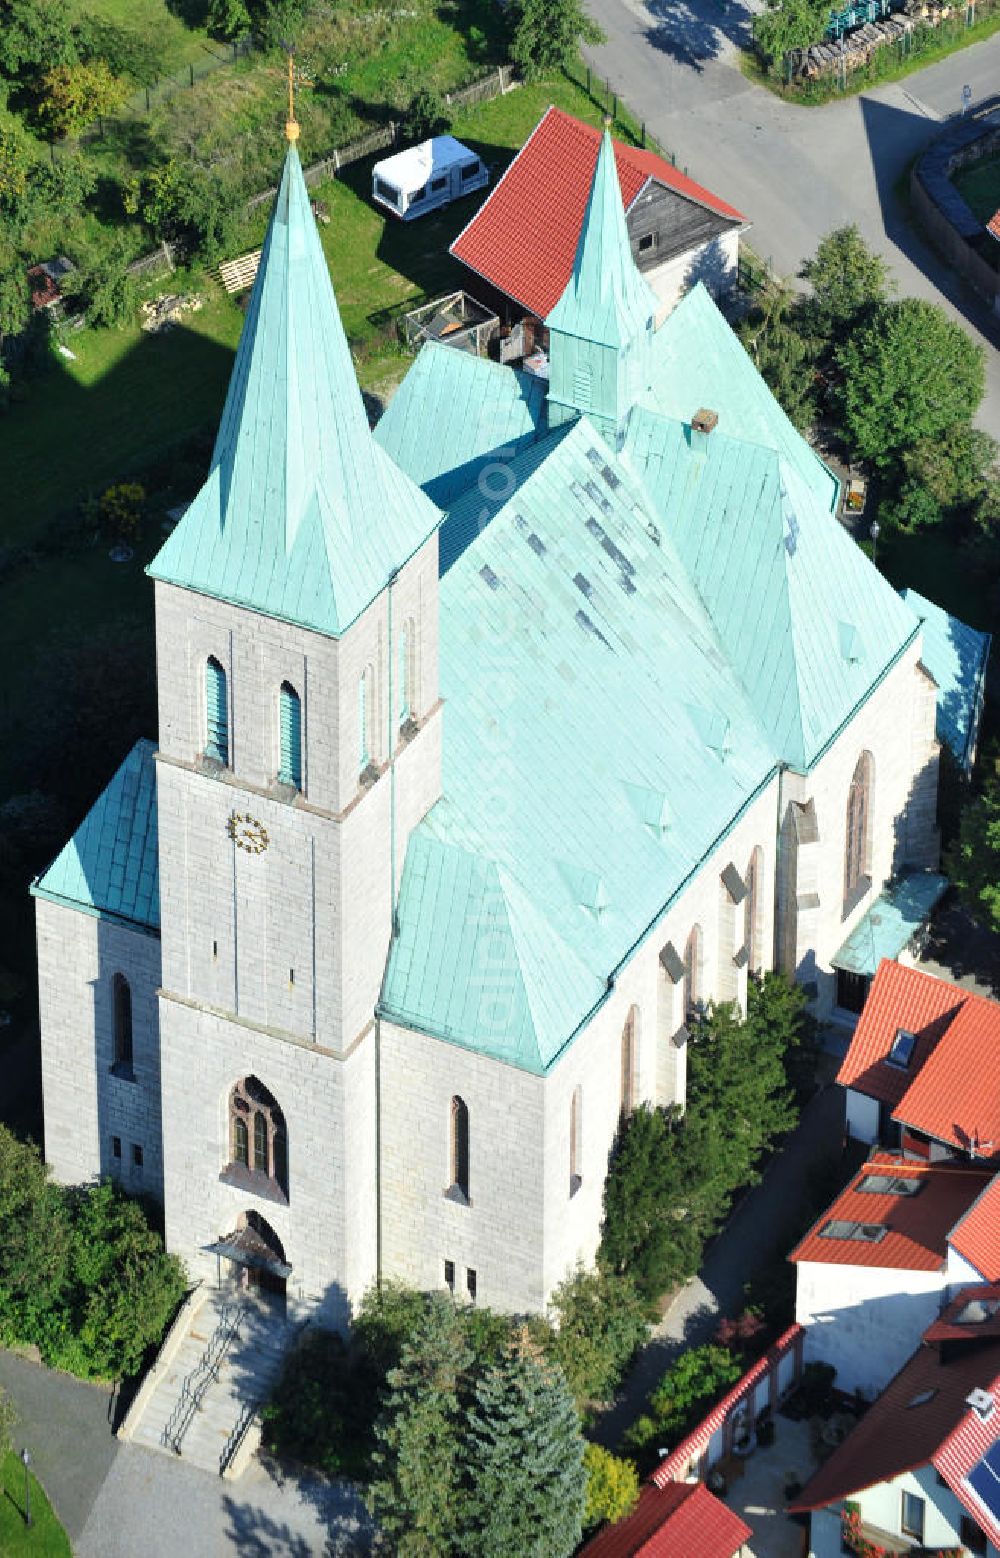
677	1520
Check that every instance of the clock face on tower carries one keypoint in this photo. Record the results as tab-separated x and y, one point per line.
247	832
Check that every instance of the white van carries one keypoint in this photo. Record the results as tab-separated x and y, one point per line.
423	177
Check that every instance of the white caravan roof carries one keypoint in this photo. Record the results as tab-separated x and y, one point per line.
413	168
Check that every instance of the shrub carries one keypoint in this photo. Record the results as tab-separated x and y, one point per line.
69	97
612	1487
600	1323
428	115
688	1388
119	511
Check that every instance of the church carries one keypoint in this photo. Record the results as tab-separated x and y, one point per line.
492	746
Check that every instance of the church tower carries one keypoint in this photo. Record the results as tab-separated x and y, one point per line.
601	329
300	743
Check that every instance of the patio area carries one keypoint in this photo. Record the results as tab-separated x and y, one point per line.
755	1489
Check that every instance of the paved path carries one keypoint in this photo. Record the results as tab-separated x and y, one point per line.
795	172
762	1226
122	1501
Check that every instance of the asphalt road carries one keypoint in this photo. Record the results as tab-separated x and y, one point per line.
796	172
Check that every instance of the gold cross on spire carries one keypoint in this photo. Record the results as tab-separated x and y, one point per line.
291	124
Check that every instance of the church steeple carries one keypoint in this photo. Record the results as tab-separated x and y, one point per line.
303	516
601	326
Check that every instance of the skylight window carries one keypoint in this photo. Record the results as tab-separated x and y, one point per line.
890	1185
901	1052
860	1233
922	1397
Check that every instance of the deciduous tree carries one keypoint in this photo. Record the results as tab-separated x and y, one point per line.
72	96
909	375
548	33
847	279
974	859
600	1323
612	1486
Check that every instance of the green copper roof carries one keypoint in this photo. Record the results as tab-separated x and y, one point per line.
891	923
109	866
956	657
454	414
606	300
303	516
698	361
807	622
588	699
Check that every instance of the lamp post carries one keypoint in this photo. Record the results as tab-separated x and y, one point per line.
874	533
26	1462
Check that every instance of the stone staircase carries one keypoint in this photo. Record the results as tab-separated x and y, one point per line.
213	1371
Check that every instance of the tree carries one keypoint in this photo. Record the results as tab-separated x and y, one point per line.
108	294
974	859
847	280
909	374
612	1487
228	19
15	162
522	1460
124	50
427	115
15	294
34	35
548	34
72	96
786	25
957	469
183	201
415	1494
35	1246
783	355
120	510
600	1324
691	1385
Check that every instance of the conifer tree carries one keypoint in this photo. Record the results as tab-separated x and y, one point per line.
522	1455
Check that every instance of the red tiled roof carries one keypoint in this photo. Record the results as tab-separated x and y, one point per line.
963	1449
899	998
954	1097
993	225
524	237
676	1463
911	1423
43	289
673	1522
977	1236
917	1226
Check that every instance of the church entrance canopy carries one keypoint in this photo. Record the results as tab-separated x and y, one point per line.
255	1246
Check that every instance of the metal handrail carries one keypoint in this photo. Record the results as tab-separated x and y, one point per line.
239	1432
204	1373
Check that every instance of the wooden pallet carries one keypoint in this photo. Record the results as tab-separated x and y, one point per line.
238	275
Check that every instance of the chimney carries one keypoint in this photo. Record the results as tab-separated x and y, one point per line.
702	424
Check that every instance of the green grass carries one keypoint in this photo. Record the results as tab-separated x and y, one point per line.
176	43
886	65
45	1538
979	187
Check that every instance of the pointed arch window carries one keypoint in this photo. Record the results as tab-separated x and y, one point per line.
629	1059
692	974
406	672
366	717
258	1141
216	712
751	910
290	736
576	1140
459	1149
122	1001
857	845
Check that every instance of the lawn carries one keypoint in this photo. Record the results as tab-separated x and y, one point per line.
979	187
45	1538
176	43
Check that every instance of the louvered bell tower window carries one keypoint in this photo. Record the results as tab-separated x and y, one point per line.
216	713
290	715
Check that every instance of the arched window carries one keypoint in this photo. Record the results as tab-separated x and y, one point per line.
216	712
460	1146
576	1141
630	1045
290	723
122	996
405	679
366	717
857	847
751	910
692	974
257	1136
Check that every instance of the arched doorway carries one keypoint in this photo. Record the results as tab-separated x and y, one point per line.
256	1257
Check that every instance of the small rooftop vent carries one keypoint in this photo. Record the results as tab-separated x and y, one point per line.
981	1403
704	421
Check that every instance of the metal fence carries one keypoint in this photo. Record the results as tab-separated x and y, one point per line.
146	98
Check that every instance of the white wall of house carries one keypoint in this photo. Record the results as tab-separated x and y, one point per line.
861	1117
865	1320
881	1506
713	263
